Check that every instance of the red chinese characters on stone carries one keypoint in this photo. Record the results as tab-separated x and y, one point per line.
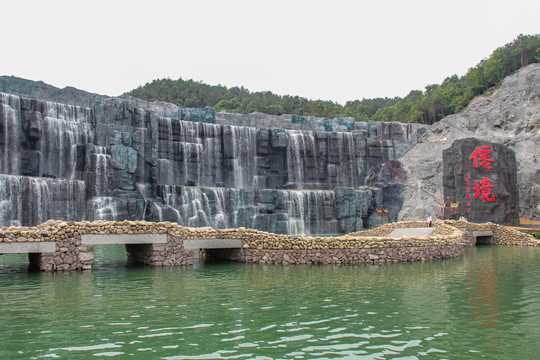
468	190
483	189
481	157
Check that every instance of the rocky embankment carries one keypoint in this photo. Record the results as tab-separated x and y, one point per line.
445	233
502	235
57	230
372	246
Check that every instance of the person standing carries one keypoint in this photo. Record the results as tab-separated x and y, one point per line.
429	220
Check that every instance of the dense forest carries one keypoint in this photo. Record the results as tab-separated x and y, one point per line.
428	106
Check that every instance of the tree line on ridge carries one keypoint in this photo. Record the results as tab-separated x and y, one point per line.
427	107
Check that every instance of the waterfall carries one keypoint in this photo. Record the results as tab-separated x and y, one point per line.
103	208
304	160
11	200
57	128
348	161
167	172
292	212
181	152
159	210
192	163
211	154
243	148
101	165
296	223
192	150
31	201
63	127
10	134
202	154
194	173
196	206
308	210
301	152
145	191
209	206
56	199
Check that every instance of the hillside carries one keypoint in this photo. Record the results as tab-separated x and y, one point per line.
427	107
511	116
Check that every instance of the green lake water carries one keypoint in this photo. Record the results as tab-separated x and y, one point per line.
485	304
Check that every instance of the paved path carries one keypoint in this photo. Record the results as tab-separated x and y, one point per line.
401	232
50	247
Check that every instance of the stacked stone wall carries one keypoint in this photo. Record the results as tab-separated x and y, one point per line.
502	235
70	254
372	246
468	238
444	231
377	255
348	256
170	254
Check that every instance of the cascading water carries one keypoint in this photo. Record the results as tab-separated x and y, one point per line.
56	199
63	127
196	206
103	208
30	201
243	148
183	154
192	163
297	221
348	161
101	161
307	212
301	153
304	163
40	138
201	154
10	134
141	162
11	201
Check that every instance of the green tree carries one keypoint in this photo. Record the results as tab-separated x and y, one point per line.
428	106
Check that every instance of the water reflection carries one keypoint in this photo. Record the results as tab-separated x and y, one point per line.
457	308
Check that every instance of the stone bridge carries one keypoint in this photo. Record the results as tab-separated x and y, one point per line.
151	249
58	245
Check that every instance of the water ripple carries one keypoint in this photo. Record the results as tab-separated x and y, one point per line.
482	305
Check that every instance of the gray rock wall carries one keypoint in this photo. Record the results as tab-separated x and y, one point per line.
94	157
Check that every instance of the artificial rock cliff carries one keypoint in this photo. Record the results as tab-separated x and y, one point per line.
67	154
71	155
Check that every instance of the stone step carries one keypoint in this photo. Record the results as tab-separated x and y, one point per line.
398	233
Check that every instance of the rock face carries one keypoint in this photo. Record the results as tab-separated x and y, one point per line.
71	155
391	178
510	117
481	177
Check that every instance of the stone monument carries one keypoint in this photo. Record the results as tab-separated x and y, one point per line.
481	176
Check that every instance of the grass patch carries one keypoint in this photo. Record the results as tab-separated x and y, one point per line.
533	233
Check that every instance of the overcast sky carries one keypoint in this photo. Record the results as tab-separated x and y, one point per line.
332	50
